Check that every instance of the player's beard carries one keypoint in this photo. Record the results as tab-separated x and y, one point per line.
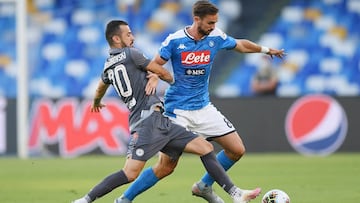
130	44
204	32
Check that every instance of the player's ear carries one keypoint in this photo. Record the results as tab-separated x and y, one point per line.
197	18
116	39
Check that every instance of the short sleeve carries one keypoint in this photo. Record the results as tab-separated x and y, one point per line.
229	43
165	48
226	41
105	78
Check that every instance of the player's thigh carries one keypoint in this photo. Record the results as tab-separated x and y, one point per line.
179	138
199	146
150	137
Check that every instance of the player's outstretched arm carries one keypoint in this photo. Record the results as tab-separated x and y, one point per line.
100	92
247	46
159	70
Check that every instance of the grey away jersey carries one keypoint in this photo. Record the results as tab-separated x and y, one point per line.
125	71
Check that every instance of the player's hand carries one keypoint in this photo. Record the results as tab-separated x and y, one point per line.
97	106
152	83
278	53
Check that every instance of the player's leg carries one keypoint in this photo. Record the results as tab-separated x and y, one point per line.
203	188
144	144
130	171
211	124
166	133
205	150
233	150
149	177
180	139
202	147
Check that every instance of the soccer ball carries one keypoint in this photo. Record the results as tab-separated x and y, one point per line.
276	196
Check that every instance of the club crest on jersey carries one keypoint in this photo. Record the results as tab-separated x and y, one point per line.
211	43
195	58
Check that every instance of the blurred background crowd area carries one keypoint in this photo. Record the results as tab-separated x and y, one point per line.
67	47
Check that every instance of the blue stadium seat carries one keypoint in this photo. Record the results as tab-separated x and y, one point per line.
87	19
343	45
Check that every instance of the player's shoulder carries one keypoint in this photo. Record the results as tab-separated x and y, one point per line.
217	32
135	52
132	50
177	35
137	55
116	56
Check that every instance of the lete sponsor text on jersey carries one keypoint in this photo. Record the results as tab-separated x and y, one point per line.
195	58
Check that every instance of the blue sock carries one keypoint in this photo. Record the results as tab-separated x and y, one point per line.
145	181
225	162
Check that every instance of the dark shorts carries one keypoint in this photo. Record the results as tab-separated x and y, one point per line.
157	133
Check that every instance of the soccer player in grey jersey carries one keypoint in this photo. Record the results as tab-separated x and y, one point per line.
127	71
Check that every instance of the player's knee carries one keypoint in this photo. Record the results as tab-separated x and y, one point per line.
235	153
239	152
205	146
208	147
131	176
167	170
161	169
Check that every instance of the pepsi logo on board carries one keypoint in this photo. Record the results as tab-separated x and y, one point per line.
316	125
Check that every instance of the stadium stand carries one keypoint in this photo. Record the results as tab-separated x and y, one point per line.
67	47
321	39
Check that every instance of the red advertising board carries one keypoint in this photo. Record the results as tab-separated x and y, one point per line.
69	124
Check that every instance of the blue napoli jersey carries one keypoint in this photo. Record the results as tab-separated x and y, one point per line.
191	62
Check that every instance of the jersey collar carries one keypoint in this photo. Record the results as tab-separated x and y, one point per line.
191	37
114	51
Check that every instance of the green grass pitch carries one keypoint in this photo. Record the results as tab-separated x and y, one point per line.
331	179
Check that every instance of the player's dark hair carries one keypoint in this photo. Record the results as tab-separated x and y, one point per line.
113	28
203	8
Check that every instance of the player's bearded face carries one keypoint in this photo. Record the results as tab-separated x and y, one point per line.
207	24
128	41
127	38
203	31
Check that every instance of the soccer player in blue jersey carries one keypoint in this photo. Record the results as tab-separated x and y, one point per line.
192	51
126	69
